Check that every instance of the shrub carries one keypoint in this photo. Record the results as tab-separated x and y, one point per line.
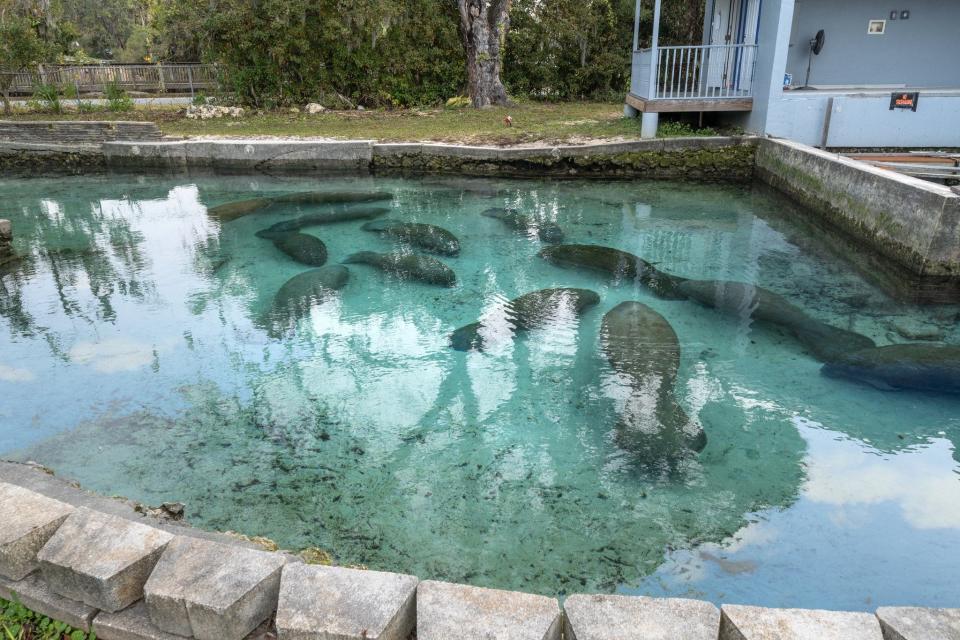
46	97
19	623
117	98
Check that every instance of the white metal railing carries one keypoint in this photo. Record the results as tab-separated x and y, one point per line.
697	72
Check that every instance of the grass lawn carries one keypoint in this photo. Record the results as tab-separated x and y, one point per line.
532	122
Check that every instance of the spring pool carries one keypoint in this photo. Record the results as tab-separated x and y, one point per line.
134	357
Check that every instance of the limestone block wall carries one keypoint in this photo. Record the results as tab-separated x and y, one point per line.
76	132
107	566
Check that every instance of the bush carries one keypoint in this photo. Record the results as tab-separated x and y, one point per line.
678	129
46	97
117	98
199	100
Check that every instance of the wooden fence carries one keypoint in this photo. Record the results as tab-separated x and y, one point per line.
156	78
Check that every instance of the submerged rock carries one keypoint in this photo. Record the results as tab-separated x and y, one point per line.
642	346
824	341
425	236
304	290
6	242
303	248
529	311
921	367
616	264
317	219
410	266
546	231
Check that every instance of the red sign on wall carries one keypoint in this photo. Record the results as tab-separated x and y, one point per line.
903	100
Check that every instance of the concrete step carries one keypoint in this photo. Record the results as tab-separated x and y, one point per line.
447	611
33	593
610	617
211	591
319	603
759	623
100	559
917	623
133	623
27	521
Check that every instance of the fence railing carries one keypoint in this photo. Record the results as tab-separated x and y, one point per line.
159	78
698	72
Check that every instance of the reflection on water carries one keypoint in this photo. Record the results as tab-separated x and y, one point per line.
134	358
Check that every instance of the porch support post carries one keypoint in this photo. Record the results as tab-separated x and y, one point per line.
649	121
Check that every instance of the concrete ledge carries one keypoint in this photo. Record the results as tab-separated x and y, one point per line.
447	611
27	521
911	221
916	623
611	617
211	591
317	603
133	623
34	593
101	560
739	622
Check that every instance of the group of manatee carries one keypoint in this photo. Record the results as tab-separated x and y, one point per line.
638	342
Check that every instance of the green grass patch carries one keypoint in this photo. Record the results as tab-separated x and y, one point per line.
19	623
530	122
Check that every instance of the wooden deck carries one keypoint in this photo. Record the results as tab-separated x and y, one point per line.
676	105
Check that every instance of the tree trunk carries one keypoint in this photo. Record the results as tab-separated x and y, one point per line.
483	25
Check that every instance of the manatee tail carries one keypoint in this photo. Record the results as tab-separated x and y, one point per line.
467	338
361	257
270	234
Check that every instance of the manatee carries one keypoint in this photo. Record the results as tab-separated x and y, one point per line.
407	266
302	291
332	197
641	346
618	265
825	342
233	210
547	231
303	248
529	311
425	236
316	219
921	367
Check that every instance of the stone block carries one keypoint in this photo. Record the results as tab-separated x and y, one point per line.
918	623
27	520
334	603
447	611
6	230
33	593
133	623
211	591
612	617
100	559
759	623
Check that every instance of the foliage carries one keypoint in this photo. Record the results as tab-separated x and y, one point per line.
680	129
19	623
117	98
20	47
46	97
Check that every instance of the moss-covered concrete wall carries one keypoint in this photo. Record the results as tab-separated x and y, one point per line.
31	159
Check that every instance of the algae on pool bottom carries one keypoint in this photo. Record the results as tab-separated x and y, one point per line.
139	355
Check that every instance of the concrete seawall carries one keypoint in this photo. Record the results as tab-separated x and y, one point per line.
107	566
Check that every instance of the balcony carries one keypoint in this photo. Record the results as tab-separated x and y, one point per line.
714	77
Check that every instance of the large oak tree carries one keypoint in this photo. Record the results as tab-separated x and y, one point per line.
483	26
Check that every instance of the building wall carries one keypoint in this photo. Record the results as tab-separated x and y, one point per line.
922	51
866	120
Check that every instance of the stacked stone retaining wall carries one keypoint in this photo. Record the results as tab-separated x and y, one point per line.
107	566
76	132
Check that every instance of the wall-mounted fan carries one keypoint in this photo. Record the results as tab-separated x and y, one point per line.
816	46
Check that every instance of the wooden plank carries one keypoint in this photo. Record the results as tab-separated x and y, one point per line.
900	158
688	105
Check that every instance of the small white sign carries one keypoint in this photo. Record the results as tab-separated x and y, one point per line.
876	27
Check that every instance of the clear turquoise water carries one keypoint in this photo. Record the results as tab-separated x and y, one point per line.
132	359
